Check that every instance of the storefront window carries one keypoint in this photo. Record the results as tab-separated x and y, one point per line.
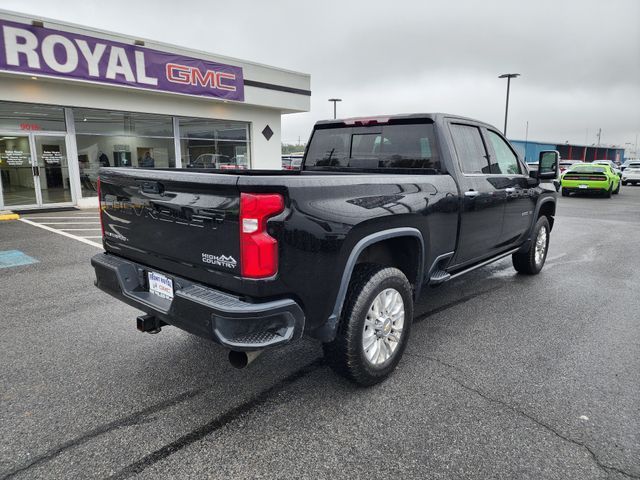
214	143
121	139
27	117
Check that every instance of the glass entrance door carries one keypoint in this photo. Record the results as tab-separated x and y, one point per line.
34	170
52	169
17	172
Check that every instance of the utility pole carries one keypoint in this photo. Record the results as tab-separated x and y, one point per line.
599	134
508	76
526	141
335	101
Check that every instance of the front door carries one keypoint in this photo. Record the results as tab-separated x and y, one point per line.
52	169
520	196
483	198
34	170
17	172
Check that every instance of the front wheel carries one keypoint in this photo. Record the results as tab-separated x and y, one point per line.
374	326
531	261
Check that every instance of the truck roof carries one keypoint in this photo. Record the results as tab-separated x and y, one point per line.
381	119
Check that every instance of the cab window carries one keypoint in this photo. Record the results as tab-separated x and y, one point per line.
505	161
470	149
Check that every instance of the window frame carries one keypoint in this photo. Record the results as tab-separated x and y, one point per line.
482	139
493	153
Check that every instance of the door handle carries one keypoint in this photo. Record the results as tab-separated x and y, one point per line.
36	171
510	190
471	193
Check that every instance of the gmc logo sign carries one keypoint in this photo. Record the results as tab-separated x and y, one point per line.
185	74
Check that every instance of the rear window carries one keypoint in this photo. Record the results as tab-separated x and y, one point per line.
587	169
381	146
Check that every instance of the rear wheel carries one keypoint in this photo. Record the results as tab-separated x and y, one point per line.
617	190
565	192
531	261
374	326
624	183
607	194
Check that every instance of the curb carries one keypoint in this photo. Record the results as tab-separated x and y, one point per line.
9	216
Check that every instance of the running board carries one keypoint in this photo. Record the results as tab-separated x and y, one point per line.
440	276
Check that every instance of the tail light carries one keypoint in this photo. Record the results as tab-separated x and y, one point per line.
100	207
258	249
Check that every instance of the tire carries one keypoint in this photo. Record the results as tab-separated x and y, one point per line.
607	194
346	354
525	262
617	190
565	192
624	183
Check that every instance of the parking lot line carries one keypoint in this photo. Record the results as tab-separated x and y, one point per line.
83	216
80	229
60	232
67	223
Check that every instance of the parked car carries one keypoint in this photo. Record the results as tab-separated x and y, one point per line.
218	161
627	162
292	161
590	178
631	174
567	164
612	164
209	160
338	250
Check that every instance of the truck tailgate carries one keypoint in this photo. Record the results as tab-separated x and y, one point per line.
172	219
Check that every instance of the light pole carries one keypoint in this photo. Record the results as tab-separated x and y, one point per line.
508	76
335	101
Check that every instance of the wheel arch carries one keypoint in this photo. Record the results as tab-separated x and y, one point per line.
376	246
548	209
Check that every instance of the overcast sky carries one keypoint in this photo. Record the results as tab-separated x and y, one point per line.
579	59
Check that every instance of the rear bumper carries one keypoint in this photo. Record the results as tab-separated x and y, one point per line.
585	186
201	310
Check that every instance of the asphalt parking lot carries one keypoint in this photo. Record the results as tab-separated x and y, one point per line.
506	376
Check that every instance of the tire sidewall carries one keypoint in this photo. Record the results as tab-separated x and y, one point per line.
541	223
359	312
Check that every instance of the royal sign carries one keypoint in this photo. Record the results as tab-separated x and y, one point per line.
43	51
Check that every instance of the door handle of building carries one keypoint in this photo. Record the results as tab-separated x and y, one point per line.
471	193
510	190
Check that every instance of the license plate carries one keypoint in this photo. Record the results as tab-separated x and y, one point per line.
583	186
160	285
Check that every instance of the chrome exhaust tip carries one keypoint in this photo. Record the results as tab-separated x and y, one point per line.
242	359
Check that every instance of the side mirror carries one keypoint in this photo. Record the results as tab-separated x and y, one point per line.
548	164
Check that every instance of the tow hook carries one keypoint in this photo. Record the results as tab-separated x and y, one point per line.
149	324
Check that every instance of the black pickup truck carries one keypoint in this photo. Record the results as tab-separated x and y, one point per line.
339	250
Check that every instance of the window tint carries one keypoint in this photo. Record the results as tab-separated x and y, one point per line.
388	146
505	160
470	149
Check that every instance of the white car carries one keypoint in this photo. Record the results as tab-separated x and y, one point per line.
631	173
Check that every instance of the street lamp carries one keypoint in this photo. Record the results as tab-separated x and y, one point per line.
508	76
335	100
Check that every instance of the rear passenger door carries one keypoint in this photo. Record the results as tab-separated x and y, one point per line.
520	197
483	199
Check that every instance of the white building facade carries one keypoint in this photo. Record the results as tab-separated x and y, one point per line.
74	99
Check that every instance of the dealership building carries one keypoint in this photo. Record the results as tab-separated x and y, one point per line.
529	150
73	99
